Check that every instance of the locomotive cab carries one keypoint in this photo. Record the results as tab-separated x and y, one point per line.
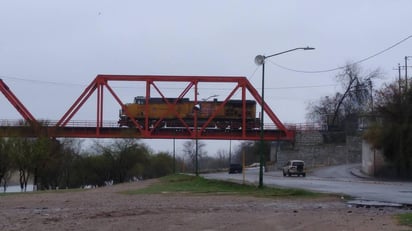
133	109
140	100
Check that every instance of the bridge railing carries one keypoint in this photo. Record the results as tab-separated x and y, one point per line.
13	123
305	126
52	123
114	124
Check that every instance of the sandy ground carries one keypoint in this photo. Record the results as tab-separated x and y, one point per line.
106	209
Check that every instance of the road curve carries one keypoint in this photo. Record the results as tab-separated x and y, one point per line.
336	179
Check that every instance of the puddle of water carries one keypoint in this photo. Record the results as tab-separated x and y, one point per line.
374	203
16	188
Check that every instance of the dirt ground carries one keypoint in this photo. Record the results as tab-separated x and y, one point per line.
106	209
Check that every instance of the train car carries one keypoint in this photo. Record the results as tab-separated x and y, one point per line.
229	117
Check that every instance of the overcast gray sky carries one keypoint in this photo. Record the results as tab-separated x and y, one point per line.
50	50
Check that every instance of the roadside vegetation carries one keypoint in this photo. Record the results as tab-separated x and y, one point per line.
392	130
381	115
181	183
405	219
62	163
51	164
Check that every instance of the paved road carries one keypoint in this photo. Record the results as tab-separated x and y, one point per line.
337	179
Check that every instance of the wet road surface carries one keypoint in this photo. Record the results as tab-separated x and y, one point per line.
341	179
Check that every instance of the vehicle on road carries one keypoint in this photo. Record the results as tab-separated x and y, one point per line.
235	168
294	167
254	165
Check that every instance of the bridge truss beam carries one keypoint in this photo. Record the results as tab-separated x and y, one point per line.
19	106
155	131
64	127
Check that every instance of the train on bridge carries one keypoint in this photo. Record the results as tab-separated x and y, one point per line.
180	112
160	118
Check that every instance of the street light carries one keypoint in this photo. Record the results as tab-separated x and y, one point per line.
406	72
260	60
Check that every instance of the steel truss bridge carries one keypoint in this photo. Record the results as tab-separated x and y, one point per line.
29	126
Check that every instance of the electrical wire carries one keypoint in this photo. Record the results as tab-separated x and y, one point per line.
250	77
270	88
253	74
40	81
342	67
298	87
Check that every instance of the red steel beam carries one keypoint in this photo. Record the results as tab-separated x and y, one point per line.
170	106
289	134
221	106
78	104
17	104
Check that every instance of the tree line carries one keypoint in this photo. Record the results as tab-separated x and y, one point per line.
391	131
50	163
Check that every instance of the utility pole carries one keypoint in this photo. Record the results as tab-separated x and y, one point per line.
407	111
401	120
403	113
399	81
406	74
230	151
174	154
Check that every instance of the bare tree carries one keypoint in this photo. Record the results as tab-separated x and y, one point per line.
189	150
21	152
355	98
222	158
5	163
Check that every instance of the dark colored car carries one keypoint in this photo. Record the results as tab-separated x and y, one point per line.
235	168
294	167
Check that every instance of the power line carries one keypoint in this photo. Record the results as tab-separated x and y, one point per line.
250	77
167	88
342	67
298	87
41	81
253	74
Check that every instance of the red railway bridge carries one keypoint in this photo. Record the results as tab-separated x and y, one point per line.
29	126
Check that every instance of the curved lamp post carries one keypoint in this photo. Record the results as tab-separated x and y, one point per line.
260	60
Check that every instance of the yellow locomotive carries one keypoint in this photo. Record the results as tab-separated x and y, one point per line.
180	113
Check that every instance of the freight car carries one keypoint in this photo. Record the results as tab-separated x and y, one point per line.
160	114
